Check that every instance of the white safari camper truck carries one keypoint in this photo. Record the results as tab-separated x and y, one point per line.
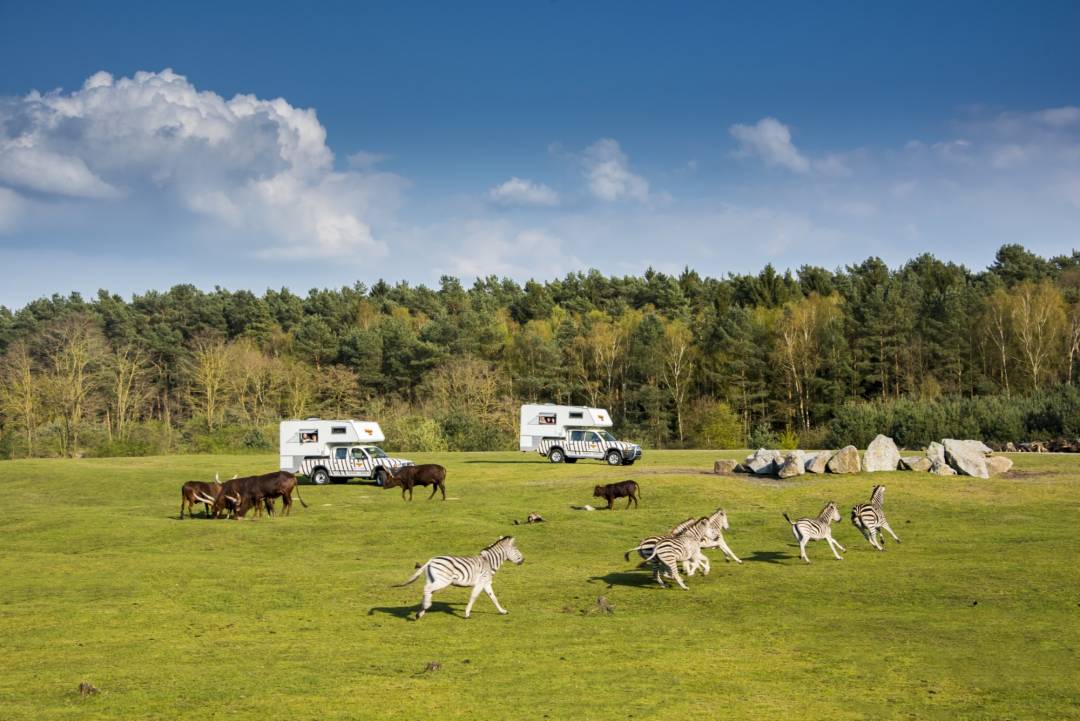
335	451
567	433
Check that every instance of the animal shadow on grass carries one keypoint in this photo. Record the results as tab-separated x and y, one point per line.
768	556
409	612
625	578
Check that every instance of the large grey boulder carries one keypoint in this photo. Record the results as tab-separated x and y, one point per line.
935	452
845	460
794	464
762	462
881	455
817	462
921	464
724	466
967	457
998	464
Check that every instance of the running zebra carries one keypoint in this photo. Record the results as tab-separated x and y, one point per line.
645	548
870	519
685	548
475	571
719	522
816	529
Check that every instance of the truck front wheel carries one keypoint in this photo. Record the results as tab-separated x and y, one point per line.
320	477
556	455
380	477
614	458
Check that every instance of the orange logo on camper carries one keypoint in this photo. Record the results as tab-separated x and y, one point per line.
368	431
600	416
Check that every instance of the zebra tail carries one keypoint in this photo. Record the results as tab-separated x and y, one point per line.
419	572
788	518
635	548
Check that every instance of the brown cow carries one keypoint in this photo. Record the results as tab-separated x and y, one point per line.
625	489
240	494
426	474
194	492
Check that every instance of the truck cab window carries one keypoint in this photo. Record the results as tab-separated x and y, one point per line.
358	454
577	435
340	453
593	438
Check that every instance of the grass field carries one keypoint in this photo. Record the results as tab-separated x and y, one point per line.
975	616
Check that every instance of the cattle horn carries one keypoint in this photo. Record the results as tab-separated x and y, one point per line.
216	479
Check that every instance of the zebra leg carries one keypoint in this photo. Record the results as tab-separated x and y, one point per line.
472	598
833	545
678	578
726	550
656	574
491	594
887	527
802	549
871	535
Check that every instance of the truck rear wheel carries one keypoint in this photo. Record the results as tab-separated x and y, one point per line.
556	455
320	477
614	458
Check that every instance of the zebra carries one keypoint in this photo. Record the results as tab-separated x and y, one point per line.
475	571
645	548
816	529
686	548
719	521
870	519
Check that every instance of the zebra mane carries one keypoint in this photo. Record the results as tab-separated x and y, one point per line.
683	526
825	516
877	496
501	539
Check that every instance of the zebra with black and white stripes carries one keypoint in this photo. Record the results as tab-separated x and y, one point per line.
869	518
475	571
645	548
719	521
817	529
684	548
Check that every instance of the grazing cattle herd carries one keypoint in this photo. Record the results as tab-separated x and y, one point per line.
681	546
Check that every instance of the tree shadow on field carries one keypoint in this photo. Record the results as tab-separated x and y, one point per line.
408	613
625	578
768	556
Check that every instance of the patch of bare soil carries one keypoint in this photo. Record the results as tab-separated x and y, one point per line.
1025	475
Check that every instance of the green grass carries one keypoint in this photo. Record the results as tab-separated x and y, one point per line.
975	616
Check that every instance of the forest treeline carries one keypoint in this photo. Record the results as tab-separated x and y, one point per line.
814	356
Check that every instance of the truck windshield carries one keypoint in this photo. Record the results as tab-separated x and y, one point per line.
606	436
376	452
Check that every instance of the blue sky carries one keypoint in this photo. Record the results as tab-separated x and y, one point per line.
253	145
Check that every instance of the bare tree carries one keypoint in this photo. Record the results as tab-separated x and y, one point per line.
19	390
1073	337
126	375
74	349
678	367
998	314
208	368
1037	322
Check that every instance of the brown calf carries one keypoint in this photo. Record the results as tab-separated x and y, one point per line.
426	474
625	489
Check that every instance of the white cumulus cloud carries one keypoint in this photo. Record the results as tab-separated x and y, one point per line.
258	170
608	174
517	191
770	140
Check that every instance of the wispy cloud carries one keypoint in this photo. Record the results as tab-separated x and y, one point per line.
770	141
517	191
608	174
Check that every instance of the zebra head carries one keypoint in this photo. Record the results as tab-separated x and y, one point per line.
504	549
831	511
719	519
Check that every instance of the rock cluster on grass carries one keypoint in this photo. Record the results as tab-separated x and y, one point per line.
948	458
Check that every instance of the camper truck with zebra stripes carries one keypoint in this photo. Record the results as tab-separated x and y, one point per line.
335	451
564	434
